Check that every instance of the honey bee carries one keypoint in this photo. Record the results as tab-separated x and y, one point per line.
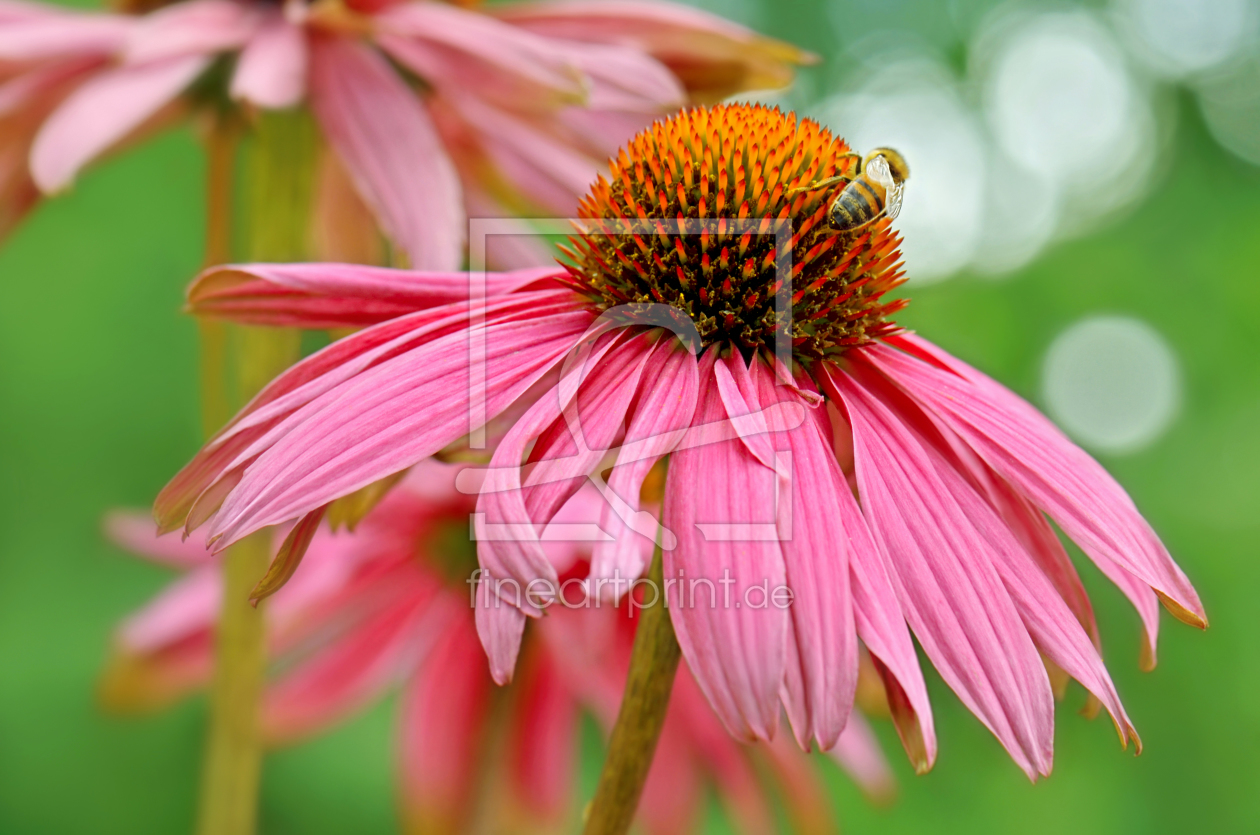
873	192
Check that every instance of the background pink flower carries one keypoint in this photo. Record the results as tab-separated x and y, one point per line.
518	111
387	607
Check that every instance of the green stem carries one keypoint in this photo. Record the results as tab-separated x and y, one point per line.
281	157
653	663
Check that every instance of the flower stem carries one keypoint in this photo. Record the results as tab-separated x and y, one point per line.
281	157
653	663
221	141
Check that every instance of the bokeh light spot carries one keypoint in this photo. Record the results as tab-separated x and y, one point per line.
1112	382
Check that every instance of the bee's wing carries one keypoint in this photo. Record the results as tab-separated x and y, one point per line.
877	170
892	206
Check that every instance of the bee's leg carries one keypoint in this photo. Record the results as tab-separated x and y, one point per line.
817	184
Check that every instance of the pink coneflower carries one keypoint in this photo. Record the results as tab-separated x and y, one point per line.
879	481
522	102
45	53
387	607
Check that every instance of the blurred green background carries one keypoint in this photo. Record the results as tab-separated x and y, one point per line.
98	408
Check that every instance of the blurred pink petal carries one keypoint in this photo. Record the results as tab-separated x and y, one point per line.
354	670
198	27
391	150
443	719
859	754
135	531
101	113
713	57
36	32
271	71
462	50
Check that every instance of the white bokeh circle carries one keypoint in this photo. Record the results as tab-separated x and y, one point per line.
1112	382
1177	38
1062	103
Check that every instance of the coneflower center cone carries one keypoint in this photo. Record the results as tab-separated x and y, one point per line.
688	218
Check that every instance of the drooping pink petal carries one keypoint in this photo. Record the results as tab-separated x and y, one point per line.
720	504
475	54
318	296
135	531
509	517
666	405
1029	559
220	463
196	28
101	113
952	594
271	70
859	754
500	624
713	57
443	719
817	562
387	418
1058	476
383	134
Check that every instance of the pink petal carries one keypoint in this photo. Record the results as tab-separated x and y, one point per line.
185	608
666	405
271	70
443	720
198	28
824	642
350	673
736	652
135	532
318	296
545	167
712	56
509	515
474	54
102	112
542	749
1059	477
625	79
500	625
385	419
882	628
858	752
723	760
391	149
319	374
943	568
43	32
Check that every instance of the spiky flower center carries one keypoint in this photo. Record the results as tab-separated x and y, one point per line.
689	218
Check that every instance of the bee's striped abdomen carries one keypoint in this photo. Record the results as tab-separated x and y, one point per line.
857	205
